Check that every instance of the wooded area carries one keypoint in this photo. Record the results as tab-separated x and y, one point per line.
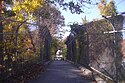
26	33
30	36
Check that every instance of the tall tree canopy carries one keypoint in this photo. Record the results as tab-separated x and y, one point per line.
27	13
25	8
107	9
50	16
75	6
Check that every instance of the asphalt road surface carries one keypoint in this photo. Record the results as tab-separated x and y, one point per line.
61	72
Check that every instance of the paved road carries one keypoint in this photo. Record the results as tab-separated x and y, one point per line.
61	72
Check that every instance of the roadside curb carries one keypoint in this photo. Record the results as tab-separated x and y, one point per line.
94	75
86	72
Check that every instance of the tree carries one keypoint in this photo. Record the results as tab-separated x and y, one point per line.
1	41
24	9
75	6
18	38
48	18
5	12
107	9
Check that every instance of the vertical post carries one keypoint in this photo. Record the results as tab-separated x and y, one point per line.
115	48
41	39
116	56
16	53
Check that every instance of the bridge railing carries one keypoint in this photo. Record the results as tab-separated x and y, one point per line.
94	48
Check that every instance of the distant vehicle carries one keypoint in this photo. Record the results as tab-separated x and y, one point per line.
59	55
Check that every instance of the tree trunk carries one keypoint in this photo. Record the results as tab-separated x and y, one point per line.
1	43
1	37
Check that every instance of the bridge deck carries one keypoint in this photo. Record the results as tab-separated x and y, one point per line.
61	72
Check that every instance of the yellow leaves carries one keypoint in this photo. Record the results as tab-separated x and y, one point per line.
24	9
28	5
22	29
107	9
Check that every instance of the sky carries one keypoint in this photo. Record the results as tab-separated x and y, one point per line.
92	13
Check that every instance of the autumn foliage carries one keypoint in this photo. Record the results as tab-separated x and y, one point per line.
26	38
